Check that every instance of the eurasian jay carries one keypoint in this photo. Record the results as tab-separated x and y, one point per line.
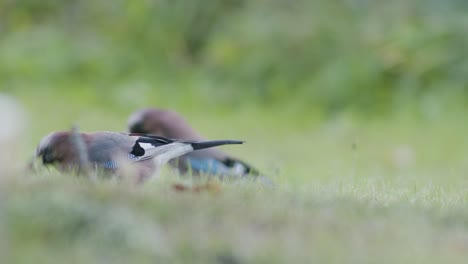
210	161
111	151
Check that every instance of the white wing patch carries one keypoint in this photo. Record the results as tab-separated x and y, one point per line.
238	169
174	150
162	154
146	146
167	152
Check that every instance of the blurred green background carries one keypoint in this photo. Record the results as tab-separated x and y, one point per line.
356	108
318	56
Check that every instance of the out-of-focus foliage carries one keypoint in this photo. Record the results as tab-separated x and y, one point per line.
390	189
367	55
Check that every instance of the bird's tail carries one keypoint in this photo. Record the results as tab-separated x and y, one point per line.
212	143
173	149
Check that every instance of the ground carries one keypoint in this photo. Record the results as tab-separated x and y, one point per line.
347	190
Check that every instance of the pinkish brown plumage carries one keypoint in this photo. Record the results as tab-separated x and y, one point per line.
111	151
170	124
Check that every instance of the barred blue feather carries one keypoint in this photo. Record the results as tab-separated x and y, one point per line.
112	165
133	157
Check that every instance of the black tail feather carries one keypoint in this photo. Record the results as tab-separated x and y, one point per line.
213	143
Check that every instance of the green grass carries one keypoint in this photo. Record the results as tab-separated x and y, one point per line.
352	191
52	220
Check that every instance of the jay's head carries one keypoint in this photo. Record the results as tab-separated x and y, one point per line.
158	122
55	147
147	121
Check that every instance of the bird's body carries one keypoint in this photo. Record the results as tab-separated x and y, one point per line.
209	161
111	151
